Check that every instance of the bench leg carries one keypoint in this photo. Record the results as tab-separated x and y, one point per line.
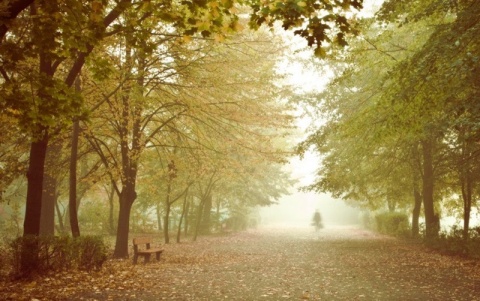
147	258
135	258
158	255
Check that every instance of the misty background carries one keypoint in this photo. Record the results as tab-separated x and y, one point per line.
298	208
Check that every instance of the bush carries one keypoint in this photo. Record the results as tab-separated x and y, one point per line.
92	252
55	253
453	243
393	223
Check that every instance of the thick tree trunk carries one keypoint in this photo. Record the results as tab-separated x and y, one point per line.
432	222
50	190
49	198
31	226
127	197
38	150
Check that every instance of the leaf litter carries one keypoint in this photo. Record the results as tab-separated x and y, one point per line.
342	263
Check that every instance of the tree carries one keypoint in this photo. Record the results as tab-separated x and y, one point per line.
49	57
398	98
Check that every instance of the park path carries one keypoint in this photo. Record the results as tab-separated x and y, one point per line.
271	263
336	263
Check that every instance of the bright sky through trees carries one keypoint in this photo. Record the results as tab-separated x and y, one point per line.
305	74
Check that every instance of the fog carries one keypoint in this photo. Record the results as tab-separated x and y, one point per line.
298	208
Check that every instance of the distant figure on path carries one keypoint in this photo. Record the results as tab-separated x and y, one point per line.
317	220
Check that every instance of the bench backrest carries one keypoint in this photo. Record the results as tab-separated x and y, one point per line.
142	240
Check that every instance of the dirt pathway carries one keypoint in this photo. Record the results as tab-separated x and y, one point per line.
298	263
276	264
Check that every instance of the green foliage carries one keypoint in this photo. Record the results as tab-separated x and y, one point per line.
56	253
318	22
94	217
91	252
393	223
454	243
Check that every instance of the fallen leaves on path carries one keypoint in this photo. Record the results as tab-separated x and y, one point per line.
271	264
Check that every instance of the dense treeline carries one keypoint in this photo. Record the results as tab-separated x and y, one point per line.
402	113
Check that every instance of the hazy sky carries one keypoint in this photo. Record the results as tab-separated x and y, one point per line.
298	208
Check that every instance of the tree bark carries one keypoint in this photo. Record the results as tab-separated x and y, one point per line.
61	226
159	217
432	222
417	206
72	201
184	207
49	198
199	219
38	150
111	224
166	219
187	219
206	216
33	208
127	197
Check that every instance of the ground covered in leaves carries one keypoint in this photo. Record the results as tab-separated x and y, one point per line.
271	264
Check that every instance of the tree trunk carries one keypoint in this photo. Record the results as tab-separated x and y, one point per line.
417	196
31	226
49	197
61	227
417	206
187	219
432	222
159	217
166	220
466	183
206	216
35	174
50	189
199	219
184	207
111	224
72	201
127	197
466	179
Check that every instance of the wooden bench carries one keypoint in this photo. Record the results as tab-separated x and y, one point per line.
145	252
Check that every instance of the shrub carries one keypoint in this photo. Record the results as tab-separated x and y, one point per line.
393	223
453	243
92	252
55	253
